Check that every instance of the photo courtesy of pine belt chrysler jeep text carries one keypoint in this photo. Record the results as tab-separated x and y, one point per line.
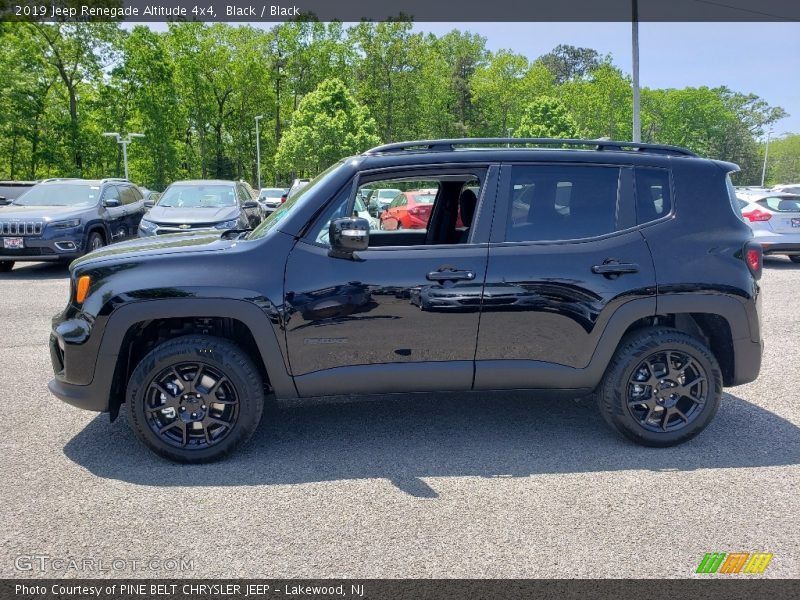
608	267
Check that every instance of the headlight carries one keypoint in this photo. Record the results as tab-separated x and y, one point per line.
69	224
232	224
147	226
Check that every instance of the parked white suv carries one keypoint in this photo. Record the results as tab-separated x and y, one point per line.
774	218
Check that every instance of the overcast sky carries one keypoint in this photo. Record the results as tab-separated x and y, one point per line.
759	58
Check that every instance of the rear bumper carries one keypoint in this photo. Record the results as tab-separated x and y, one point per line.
777	243
788	249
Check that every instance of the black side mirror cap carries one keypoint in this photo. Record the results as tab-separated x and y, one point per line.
250	204
111	203
348	235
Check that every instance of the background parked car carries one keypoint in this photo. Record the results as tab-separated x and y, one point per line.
150	197
789	188
297	185
61	219
379	200
9	190
202	205
774	218
408	210
271	198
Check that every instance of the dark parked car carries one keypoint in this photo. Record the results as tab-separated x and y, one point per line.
61	219
611	267
191	206
9	190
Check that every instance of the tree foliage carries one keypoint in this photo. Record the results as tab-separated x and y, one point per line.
195	90
327	125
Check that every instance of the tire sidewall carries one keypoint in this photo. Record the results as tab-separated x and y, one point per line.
217	354
613	398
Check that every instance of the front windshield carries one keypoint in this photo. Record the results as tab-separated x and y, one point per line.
198	196
60	194
291	202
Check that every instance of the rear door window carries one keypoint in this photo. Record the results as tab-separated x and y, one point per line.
562	202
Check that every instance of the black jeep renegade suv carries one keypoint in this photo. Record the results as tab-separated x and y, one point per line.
609	267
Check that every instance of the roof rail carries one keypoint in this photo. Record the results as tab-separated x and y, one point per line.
49	179
113	179
449	145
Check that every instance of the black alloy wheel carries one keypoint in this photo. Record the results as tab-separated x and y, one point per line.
661	388
195	398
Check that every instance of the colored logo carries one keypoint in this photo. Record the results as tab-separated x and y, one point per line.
734	562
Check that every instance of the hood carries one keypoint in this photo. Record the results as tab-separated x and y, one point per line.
169	215
12	212
184	243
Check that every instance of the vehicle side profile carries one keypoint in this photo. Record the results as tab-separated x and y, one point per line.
408	210
609	268
62	219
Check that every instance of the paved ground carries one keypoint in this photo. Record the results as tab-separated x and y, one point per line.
491	487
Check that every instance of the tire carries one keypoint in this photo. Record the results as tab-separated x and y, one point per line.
195	433
6	265
94	242
641	358
795	259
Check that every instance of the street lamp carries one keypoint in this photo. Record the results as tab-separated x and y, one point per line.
766	154
258	150
637	122
124	143
508	131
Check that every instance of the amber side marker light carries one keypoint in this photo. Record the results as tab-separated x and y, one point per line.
83	288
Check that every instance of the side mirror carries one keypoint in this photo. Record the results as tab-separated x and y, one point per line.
149	203
250	204
3	201
111	202
348	235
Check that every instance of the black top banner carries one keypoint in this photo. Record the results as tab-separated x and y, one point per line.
405	10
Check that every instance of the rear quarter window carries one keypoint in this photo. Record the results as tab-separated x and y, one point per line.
653	194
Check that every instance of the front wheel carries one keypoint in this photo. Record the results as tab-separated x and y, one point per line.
94	242
6	265
662	388
795	259
195	398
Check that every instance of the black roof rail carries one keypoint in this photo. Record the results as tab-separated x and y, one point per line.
449	145
106	179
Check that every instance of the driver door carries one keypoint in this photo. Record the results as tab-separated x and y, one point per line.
403	316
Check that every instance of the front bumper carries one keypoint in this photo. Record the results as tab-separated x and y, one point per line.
39	249
82	374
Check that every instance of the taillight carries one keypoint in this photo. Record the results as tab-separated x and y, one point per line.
757	215
754	257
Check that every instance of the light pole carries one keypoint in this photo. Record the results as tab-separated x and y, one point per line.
637	123
766	154
508	131
124	143
258	151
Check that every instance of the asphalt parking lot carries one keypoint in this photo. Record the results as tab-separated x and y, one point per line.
492	486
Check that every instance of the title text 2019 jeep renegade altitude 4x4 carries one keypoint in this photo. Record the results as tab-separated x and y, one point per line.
618	268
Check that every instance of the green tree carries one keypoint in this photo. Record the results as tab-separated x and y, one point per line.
568	63
328	125
546	117
783	162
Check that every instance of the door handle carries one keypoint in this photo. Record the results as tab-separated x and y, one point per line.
450	275
612	268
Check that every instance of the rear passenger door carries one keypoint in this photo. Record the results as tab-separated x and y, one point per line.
565	253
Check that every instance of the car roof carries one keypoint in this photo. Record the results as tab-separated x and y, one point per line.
756	196
204	182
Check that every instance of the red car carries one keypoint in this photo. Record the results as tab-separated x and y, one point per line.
408	210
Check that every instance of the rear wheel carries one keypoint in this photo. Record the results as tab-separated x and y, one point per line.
662	388
6	265
195	398
795	259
